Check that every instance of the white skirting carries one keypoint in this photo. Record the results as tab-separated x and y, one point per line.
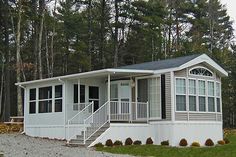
160	131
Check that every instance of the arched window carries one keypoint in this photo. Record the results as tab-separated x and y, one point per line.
201	71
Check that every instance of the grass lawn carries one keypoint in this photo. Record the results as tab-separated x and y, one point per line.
228	150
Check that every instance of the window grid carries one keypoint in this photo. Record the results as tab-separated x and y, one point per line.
205	90
50	100
180	94
192	92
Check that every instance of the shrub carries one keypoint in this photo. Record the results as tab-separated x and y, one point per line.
183	142
209	142
226	140
99	145
137	142
109	143
221	142
195	144
165	143
149	141
117	143
128	141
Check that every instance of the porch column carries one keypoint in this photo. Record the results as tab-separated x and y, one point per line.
79	94
108	95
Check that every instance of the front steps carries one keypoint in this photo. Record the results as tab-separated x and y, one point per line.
79	141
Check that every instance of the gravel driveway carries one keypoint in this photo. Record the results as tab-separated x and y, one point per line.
16	145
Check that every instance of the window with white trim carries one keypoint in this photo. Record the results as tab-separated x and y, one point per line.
192	95
180	94
201	71
218	97
202	95
32	101
154	97
58	98
45	99
211	96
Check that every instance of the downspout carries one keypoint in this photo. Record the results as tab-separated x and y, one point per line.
64	102
24	106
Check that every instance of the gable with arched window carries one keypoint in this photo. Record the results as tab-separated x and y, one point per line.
201	71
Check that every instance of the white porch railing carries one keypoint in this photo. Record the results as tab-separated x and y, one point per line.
129	111
110	111
78	119
96	121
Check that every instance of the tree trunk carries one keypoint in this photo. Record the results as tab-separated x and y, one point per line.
52	40
90	33
35	39
18	61
47	53
102	38
42	10
116	46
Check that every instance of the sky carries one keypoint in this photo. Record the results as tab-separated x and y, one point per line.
230	5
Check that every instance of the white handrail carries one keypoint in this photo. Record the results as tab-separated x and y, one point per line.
80	111
99	118
96	111
68	122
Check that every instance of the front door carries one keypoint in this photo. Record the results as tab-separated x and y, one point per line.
120	97
94	96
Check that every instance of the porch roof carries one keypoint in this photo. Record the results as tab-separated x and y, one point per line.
96	73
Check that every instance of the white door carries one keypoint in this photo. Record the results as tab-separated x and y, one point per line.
120	97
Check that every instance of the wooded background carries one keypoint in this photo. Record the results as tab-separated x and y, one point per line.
43	38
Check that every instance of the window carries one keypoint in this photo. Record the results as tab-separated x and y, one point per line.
202	95
201	71
192	95
218	97
180	94
58	98
114	92
32	101
154	97
211	98
82	93
77	106
45	99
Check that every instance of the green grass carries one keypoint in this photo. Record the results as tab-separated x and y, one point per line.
228	150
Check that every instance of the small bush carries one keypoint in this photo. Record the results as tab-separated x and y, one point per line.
149	141
99	145
209	142
226	140
165	143
183	142
195	144
109	143
221	142
117	143
137	142
128	141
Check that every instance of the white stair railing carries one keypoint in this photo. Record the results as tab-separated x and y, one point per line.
96	121
79	119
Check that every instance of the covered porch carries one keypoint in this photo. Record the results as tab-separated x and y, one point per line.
117	96
126	91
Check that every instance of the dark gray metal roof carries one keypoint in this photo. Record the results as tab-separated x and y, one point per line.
162	64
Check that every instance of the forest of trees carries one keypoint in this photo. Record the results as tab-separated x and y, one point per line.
47	38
